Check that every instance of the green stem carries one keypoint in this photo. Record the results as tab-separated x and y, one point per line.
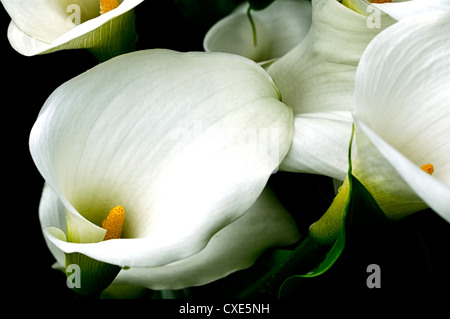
88	276
327	228
252	23
302	260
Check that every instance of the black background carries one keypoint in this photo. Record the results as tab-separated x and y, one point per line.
413	253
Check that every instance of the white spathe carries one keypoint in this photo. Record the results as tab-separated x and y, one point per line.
44	26
185	142
234	247
403	9
402	116
316	79
279	28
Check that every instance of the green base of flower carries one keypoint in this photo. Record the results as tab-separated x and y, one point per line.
326	229
87	276
121	37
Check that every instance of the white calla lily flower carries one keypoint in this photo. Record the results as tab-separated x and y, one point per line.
185	142
45	26
402	117
279	28
402	123
316	79
234	247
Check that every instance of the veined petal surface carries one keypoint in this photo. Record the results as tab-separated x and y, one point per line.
50	30
319	143
279	28
185	142
402	108
404	9
317	77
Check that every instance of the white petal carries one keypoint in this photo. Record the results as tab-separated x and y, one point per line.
287	22
398	185
234	34
380	177
279	28
44	20
317	76
51	214
56	233
404	9
31	35
402	96
233	248
184	142
320	144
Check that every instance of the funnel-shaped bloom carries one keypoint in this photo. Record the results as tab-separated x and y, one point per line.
184	142
402	116
234	247
278	29
44	26
316	79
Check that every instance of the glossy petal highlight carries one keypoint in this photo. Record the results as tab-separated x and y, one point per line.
317	77
184	142
402	109
105	35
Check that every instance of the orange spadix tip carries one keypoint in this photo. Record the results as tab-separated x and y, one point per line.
108	5
428	168
114	223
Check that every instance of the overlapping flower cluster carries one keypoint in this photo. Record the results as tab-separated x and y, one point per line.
186	142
